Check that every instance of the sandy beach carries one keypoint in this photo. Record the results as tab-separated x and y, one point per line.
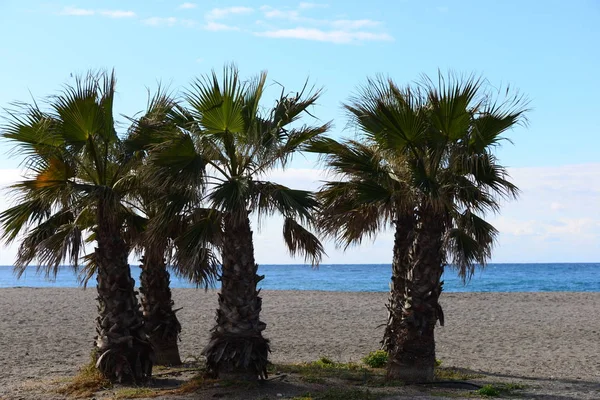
541	337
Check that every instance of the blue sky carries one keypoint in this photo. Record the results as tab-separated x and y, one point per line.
548	50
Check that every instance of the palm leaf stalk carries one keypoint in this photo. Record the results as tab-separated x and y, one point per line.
74	190
224	129
443	135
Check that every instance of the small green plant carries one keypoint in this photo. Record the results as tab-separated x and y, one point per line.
376	359
438	362
500	389
489	390
324	361
454	374
135	393
87	381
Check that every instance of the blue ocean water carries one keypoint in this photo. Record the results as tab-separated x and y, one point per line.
374	278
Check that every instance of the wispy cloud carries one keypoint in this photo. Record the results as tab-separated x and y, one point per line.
216	27
117	14
334	36
219	13
169	22
281	14
160	21
79	12
348	24
187	6
308	6
84	12
557	204
340	31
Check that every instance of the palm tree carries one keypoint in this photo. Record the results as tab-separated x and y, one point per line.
225	130
372	192
427	166
77	178
156	245
166	216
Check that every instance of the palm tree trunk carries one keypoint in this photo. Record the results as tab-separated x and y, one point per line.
124	353
237	345
412	358
162	325
403	239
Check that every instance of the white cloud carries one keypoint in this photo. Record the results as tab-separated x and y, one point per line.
188	22
334	36
282	14
117	14
187	6
217	27
219	13
556	217
81	12
529	230
161	21
322	29
349	24
308	6
73	11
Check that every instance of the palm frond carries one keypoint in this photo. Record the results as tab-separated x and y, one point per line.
451	102
268	197
52	242
218	105
75	163
175	162
231	195
195	257
347	219
469	243
301	241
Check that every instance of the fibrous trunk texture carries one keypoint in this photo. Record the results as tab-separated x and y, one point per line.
124	353
403	240
412	356
162	325
237	345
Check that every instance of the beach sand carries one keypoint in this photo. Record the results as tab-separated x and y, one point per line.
544	338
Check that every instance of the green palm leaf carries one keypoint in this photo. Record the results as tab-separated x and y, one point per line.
301	241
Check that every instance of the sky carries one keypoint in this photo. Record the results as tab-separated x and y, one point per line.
547	50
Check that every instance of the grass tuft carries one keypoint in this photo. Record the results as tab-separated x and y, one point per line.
196	383
88	381
376	359
489	390
454	374
322	369
135	393
500	389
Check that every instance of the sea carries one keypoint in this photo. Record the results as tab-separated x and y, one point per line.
554	277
